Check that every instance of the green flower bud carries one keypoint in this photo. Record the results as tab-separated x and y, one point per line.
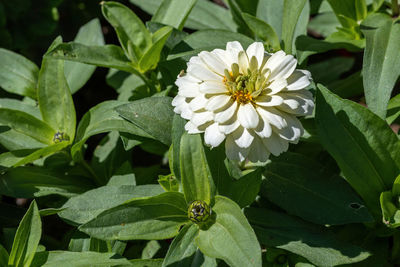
59	137
199	211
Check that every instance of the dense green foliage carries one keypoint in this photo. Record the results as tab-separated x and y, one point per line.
115	180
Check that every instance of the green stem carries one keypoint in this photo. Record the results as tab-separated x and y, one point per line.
145	80
395	8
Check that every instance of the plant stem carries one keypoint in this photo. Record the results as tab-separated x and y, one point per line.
395	8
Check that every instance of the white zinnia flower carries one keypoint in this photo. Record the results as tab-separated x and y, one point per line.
250	98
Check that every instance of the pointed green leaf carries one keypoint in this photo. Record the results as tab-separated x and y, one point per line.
109	56
195	174
315	243
85	207
381	65
174	12
77	74
230	237
78	259
54	96
151	57
41	153
393	112
291	13
18	75
132	34
29	182
158	217
263	31
100	119
27	238
27	124
153	115
365	148
390	212
293	182
3	256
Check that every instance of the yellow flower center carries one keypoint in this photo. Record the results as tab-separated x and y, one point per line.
244	88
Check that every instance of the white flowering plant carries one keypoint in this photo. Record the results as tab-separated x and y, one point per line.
243	133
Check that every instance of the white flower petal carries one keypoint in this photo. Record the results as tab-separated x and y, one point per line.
269	100
200	118
191	128
275	144
273	116
202	72
277	86
293	131
228	128
263	129
217	102
213	88
273	62
298	102
258	152
234	152
178	100
198	103
213	62
248	116
299	79
212	136
285	68
227	114
257	50
243	137
186	112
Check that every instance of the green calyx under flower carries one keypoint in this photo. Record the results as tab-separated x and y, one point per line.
244	87
199	211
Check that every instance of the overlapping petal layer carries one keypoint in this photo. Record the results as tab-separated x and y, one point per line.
248	98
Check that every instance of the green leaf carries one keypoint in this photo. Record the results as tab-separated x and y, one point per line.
206	40
77	74
390	212
337	67
27	238
293	182
109	56
263	31
231	187
18	75
393	109
195	174
204	15
313	242
151	57
3	256
324	24
381	64
24	106
40	153
345	10
100	119
153	115
169	183
85	207
182	248
236	11
29	182
13	140
132	34
146	263
78	259
365	148
361	9
158	217
271	12
230	237
174	13
54	97
178	129
291	14
27	124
